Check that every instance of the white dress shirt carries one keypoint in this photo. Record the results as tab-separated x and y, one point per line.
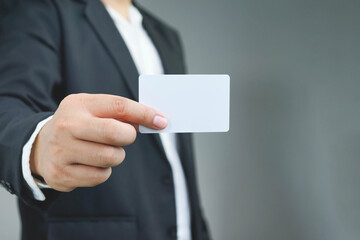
147	61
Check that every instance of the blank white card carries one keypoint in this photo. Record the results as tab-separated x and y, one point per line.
191	103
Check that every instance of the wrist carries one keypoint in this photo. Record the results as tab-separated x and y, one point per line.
33	159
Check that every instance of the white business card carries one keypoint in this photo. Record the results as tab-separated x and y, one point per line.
191	103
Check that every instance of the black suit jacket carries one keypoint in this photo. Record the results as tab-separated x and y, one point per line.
50	49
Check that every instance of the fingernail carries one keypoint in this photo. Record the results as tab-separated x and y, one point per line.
160	122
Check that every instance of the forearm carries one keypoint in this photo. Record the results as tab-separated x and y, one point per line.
18	125
26	171
30	73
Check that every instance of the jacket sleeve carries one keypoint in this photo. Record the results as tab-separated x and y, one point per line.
30	73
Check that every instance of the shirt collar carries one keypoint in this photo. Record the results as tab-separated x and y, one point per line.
135	17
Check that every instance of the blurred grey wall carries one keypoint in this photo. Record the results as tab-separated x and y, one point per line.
290	166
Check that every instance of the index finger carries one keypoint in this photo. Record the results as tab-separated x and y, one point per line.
111	106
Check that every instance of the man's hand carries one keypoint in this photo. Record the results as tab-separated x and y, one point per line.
84	139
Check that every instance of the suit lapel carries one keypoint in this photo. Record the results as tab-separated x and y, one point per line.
103	25
106	30
151	30
165	51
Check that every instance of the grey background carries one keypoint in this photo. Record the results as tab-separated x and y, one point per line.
290	166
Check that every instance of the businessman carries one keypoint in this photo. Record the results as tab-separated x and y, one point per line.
69	112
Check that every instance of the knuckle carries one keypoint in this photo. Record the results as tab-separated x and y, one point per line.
57	154
75	98
120	106
107	131
61	124
107	156
132	135
69	99
82	99
64	188
145	114
100	176
107	174
54	173
68	189
122	155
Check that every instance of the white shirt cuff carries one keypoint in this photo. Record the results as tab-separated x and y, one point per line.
34	184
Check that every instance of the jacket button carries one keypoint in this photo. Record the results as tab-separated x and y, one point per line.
167	180
172	231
